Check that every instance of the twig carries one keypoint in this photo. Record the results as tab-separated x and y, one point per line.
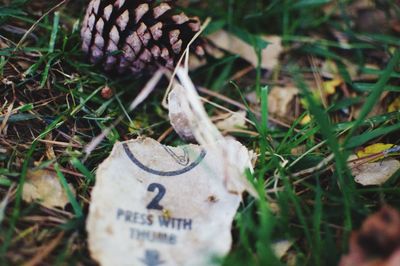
45	251
165	134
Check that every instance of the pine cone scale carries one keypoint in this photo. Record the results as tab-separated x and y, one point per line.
158	11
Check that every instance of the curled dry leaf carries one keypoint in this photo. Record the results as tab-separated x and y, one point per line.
234	45
375	173
44	186
281	247
377	243
232	122
178	115
194	119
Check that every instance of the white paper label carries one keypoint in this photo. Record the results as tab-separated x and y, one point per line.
157	205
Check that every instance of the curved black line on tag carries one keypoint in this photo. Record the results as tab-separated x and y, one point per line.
163	173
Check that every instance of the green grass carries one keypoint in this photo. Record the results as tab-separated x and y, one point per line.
55	95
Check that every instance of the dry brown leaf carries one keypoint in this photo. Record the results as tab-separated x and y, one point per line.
280	99
376	173
234	45
44	186
281	247
373	173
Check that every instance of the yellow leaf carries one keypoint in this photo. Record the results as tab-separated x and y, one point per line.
395	105
305	120
374	149
331	85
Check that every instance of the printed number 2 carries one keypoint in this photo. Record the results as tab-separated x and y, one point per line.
155	203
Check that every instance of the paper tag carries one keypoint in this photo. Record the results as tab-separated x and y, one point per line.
158	205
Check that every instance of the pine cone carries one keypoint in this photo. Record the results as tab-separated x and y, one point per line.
137	35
